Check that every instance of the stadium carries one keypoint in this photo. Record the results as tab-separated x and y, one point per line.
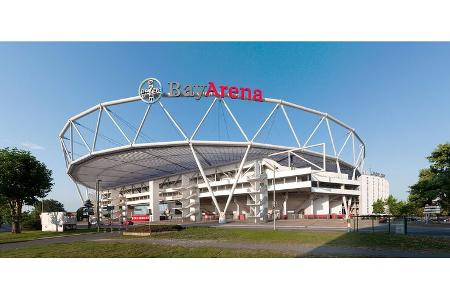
213	153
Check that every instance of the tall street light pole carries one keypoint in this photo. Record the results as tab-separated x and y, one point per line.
274	201
97	187
274	198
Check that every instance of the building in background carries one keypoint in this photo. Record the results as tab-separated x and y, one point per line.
373	186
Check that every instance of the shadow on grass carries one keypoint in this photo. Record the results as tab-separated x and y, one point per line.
383	244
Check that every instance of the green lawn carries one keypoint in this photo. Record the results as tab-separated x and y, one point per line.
312	238
393	241
8	237
120	250
370	240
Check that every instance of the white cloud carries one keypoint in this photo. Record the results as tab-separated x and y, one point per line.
32	146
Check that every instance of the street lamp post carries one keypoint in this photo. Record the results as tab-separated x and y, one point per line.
97	188
274	199
274	202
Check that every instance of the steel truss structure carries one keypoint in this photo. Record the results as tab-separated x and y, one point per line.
134	162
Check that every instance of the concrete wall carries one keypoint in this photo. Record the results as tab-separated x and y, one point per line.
336	206
320	205
52	221
297	202
154	200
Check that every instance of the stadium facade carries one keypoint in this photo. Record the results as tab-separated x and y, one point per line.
310	168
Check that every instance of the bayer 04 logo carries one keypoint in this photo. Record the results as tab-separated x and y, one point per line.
150	90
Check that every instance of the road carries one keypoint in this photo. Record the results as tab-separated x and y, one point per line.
282	227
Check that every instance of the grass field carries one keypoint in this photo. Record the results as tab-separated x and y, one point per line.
242	237
370	240
27	235
110	249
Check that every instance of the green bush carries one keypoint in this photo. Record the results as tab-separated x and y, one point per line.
31	221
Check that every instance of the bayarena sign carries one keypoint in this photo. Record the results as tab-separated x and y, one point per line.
213	152
150	91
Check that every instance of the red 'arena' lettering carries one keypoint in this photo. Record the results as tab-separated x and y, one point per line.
233	92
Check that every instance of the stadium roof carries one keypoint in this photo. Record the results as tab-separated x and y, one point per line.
134	162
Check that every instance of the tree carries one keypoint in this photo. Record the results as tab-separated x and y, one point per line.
434	182
378	207
425	190
409	209
32	219
80	213
88	210
396	208
393	205
50	205
23	179
5	214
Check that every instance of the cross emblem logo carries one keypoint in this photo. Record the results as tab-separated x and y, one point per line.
150	90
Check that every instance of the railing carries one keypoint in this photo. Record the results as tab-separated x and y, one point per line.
388	223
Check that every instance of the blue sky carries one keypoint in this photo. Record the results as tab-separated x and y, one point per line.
396	95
